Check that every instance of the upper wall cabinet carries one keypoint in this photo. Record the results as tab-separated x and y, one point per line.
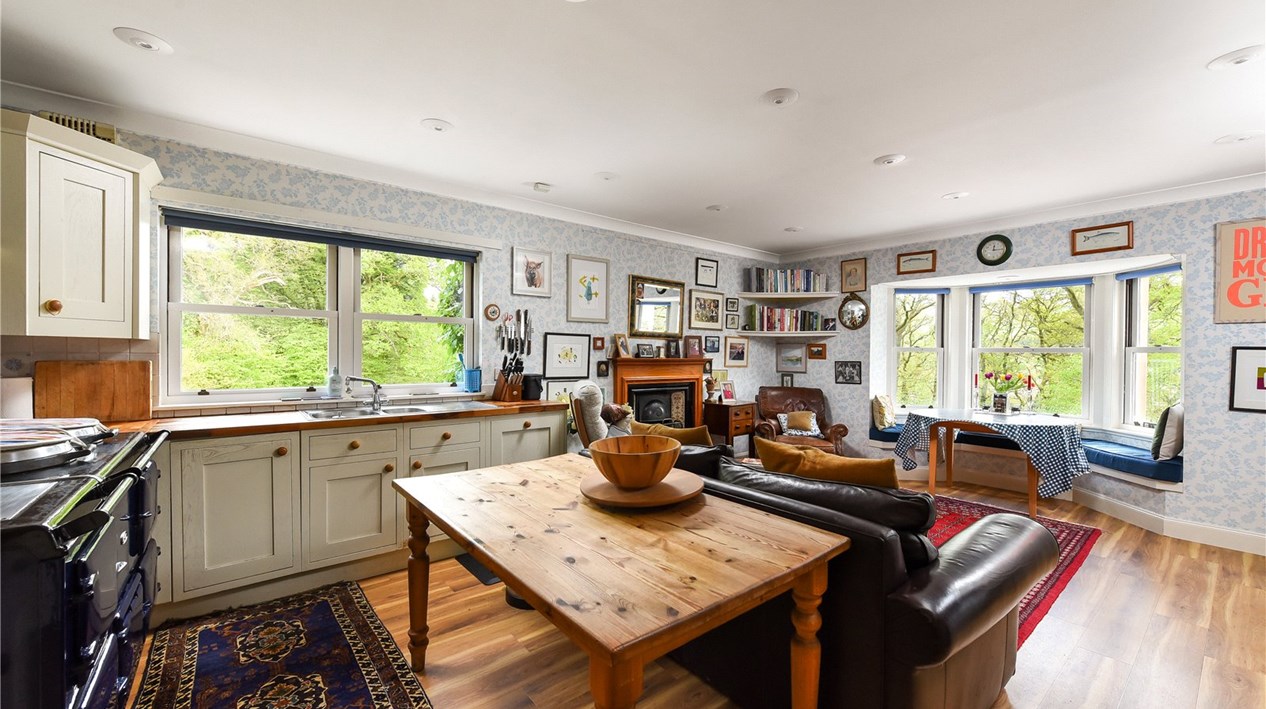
74	232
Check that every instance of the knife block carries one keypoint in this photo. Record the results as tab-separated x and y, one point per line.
503	390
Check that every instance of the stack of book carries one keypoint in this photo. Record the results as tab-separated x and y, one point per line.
767	319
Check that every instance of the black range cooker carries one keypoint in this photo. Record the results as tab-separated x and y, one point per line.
77	562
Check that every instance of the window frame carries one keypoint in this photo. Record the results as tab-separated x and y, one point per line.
939	350
1135	319
343	316
1086	350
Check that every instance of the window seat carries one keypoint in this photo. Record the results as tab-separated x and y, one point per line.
1133	460
987	440
886	435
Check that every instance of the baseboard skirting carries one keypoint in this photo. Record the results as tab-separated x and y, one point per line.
1235	539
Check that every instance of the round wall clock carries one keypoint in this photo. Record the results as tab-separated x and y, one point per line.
492	311
994	250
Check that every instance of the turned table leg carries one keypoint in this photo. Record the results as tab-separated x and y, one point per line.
806	651
419	586
614	684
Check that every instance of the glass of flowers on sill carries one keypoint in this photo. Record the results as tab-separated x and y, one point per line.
1007	383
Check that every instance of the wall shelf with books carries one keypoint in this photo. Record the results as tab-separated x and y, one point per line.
802	335
807	297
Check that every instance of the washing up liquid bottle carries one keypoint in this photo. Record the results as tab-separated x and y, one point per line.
336	384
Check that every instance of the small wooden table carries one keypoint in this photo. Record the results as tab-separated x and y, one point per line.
731	419
626	586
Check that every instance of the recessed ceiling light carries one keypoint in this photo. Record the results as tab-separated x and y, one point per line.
1240	137
143	40
780	97
955	195
793	229
889	160
542	186
437	125
604	176
1236	58
715	207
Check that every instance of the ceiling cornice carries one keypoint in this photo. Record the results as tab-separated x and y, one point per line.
33	98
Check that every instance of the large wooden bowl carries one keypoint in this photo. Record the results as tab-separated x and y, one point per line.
635	462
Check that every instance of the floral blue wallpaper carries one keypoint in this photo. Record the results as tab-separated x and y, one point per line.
1225	451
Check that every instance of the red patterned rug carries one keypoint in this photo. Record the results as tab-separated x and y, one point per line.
1075	541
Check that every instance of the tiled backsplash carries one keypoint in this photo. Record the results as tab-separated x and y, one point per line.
19	353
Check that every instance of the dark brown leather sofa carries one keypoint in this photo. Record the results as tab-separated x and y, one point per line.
903	623
771	401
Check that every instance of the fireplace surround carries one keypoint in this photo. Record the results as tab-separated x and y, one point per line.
632	374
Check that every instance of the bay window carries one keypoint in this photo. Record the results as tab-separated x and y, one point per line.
1153	343
259	310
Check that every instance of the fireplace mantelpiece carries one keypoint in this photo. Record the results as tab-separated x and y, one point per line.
634	371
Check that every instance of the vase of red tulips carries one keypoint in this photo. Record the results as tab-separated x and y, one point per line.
1008	383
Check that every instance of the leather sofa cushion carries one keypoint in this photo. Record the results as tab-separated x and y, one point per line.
909	514
697	436
810	462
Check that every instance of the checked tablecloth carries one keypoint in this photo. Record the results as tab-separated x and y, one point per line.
1052	443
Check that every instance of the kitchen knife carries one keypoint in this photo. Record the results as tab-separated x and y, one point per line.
527	331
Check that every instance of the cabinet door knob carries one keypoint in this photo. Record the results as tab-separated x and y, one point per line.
389	468
445	436
417	465
527	424
354	444
53	306
282	451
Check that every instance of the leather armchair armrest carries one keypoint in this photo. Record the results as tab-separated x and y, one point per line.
767	429
981	575
835	434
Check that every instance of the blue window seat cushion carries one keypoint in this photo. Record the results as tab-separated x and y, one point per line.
1136	461
988	440
887	435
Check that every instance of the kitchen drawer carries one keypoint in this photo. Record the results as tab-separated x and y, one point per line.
444	435
353	443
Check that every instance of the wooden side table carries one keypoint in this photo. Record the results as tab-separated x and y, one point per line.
730	419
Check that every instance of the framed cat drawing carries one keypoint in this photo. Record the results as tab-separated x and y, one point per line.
531	272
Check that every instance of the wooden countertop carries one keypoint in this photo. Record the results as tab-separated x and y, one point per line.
247	424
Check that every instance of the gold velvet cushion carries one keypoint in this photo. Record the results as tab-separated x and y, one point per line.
881	410
809	462
688	436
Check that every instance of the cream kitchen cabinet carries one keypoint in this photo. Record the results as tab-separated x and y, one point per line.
74	231
350	509
238	511
440	447
523	437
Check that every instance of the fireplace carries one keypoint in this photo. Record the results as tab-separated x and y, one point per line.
669	404
683	376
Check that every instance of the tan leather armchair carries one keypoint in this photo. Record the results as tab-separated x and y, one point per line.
771	401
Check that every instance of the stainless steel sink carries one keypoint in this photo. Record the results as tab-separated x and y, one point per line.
402	410
451	406
324	414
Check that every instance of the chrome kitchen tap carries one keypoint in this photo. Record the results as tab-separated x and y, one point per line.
377	402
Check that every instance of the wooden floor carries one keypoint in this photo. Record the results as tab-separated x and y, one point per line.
1148	621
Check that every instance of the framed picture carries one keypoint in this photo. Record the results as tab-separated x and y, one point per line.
711	344
645	349
560	390
566	356
736	352
853	275
727	390
790	357
829	324
694	346
604	368
707	366
720	375
706	272
787	379
816	350
599	343
848	372
731	321
705	309
731	305
587	289
673	349
621	346
1106	237
1248	379
531	272
1237	256
916	262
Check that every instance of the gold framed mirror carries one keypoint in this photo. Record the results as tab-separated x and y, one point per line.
655	307
854	311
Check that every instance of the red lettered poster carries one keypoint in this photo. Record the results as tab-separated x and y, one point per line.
1241	272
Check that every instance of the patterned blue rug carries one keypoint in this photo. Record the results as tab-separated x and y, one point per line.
321	649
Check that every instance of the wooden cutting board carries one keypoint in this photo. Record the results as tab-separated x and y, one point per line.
109	391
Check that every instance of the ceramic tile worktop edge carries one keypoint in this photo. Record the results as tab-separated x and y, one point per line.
247	424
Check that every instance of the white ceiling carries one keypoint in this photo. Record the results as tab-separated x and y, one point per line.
1028	106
